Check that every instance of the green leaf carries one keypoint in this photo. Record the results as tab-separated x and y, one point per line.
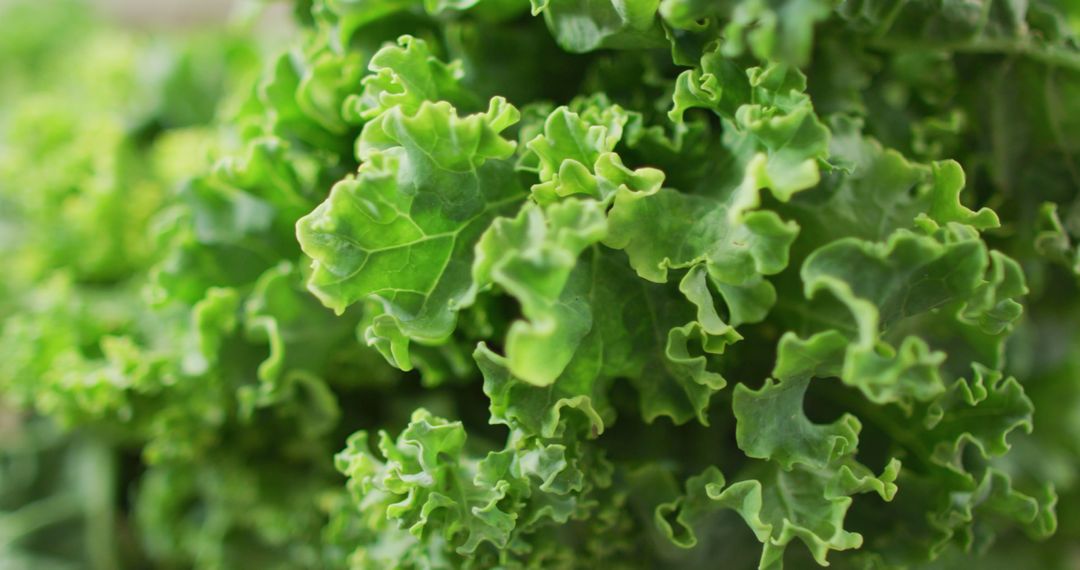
735	255
772	140
406	76
586	25
402	231
771	424
574	156
531	258
622	342
539	409
981	412
479	508
879	285
878	191
780	506
416	488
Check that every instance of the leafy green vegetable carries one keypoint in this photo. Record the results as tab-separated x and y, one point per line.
548	284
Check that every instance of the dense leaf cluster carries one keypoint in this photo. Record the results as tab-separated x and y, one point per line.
547	284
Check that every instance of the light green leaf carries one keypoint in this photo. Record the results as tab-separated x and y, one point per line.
574	155
403	230
531	258
405	76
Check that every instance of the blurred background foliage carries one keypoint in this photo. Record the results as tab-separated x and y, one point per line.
104	110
